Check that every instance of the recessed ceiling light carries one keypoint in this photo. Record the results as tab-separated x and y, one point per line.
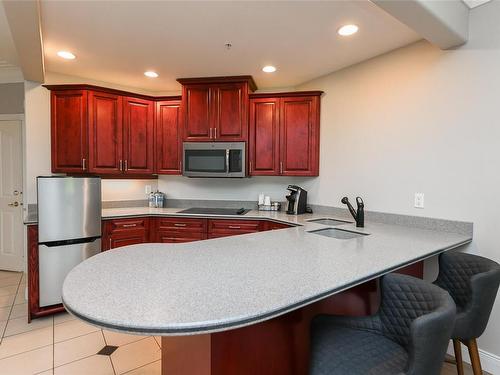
151	74
269	69
348	30
66	55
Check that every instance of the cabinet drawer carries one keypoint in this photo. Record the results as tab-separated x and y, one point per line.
119	225
236	226
179	236
182	224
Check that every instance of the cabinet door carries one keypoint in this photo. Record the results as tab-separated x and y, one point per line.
138	139
69	131
231	112
299	136
264	143
105	133
197	112
168	137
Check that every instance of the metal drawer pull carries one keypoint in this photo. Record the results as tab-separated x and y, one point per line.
179	225
121	165
129	225
110	244
234	227
126	165
84	163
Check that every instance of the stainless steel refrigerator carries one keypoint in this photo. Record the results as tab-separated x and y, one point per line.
69	229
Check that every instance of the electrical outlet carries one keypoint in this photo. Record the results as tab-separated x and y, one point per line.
419	200
147	189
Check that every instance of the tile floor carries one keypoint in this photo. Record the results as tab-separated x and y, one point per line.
63	345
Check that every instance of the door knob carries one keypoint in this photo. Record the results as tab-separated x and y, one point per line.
17	192
15	204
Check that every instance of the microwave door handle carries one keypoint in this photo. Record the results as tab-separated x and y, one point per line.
227	161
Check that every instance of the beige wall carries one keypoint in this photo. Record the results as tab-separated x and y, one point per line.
421	120
11	98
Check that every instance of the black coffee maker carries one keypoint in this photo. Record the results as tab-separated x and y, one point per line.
297	200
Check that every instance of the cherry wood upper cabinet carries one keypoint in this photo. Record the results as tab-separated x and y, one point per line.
138	137
216	108
231	112
264	142
284	134
299	136
197	102
105	133
69	131
168	137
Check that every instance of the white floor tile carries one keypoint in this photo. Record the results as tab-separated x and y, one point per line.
18	311
7	301
134	355
8	281
31	362
71	329
119	339
151	369
78	348
95	365
21	325
8	290
26	341
63	317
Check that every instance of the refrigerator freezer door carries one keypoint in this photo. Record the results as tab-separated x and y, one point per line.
55	262
68	208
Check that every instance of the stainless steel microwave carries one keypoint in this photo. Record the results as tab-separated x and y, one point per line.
214	159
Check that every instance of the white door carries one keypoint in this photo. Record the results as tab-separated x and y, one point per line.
11	183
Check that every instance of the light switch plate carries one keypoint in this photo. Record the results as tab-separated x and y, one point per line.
419	200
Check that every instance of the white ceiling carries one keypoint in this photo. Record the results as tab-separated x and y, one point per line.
475	3
8	54
116	41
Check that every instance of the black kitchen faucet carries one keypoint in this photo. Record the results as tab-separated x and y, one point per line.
359	216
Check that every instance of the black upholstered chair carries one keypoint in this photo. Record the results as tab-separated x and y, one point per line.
473	282
408	335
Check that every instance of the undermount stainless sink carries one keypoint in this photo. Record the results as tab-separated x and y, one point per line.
328	221
340	234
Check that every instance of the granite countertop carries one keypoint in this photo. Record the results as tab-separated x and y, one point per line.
225	283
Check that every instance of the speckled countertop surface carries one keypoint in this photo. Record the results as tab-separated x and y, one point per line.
225	283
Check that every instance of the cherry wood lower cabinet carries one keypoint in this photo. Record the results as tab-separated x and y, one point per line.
124	232
227	227
179	229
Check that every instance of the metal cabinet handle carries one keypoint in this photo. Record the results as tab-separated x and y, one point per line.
15	204
215	131
121	165
281	167
179	225
129	225
227	161
210	136
84	164
110	243
234	227
126	165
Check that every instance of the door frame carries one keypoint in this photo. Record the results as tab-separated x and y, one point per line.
20	117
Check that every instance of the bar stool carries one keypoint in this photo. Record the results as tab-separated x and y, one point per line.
409	334
472	282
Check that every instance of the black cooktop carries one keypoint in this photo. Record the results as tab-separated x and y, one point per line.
214	211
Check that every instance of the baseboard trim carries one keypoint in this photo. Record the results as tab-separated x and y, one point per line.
489	361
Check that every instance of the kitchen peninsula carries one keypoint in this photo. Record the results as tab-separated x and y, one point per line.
241	304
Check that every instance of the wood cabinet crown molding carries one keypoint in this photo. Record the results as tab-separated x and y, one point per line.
63	87
287	94
224	79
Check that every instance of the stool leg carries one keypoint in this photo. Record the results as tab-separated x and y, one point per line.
458	356
474	357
